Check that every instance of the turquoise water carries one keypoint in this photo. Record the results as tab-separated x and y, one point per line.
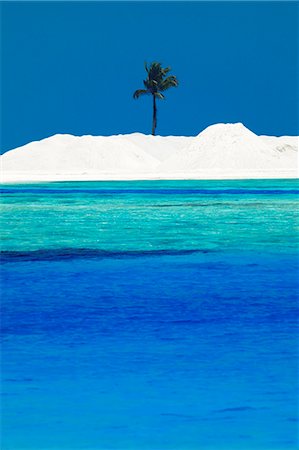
150	315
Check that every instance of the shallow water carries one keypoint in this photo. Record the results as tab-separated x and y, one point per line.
150	315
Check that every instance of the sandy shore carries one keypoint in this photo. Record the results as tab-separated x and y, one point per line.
13	177
222	151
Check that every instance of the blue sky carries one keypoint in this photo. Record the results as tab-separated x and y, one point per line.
72	67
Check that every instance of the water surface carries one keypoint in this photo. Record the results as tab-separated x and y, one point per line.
150	315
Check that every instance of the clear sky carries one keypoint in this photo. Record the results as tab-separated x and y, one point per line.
72	67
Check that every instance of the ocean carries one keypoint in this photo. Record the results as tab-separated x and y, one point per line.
150	315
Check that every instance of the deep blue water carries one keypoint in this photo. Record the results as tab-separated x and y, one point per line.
150	315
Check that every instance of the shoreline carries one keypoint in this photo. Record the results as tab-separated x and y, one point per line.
17	177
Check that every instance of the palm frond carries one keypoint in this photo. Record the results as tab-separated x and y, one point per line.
156	80
169	82
147	83
159	95
166	70
140	92
155	72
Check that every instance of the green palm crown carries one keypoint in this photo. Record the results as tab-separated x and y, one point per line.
155	83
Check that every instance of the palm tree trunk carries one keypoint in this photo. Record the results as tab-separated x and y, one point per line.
154	116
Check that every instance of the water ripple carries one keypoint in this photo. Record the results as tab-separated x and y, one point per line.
74	253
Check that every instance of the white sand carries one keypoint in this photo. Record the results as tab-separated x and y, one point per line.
221	151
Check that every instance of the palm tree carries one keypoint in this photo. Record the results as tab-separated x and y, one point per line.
155	83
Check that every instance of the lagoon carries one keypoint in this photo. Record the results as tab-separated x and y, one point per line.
150	315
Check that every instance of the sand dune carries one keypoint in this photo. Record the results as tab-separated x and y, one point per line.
230	147
221	151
